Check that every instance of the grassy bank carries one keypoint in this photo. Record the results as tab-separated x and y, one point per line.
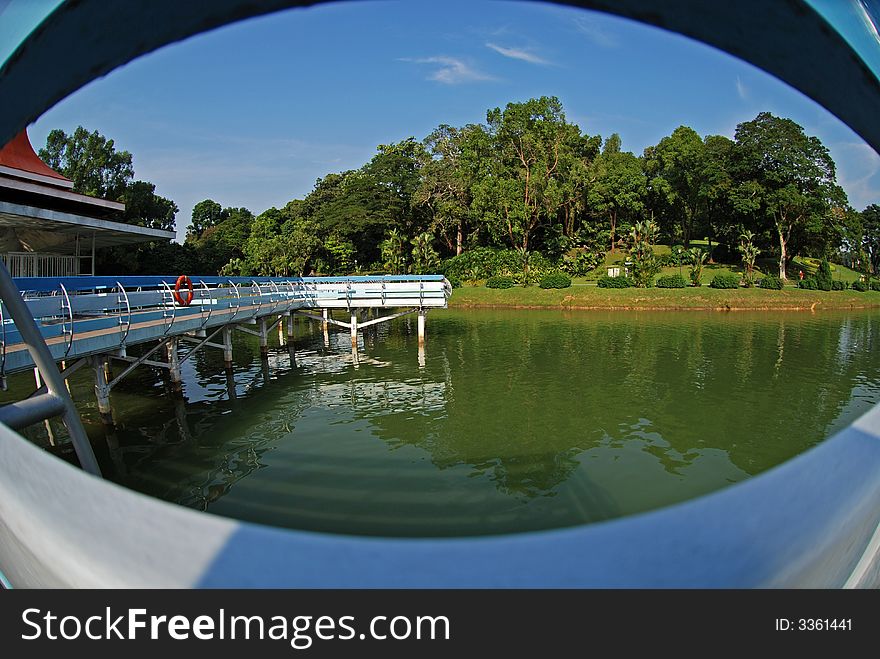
591	297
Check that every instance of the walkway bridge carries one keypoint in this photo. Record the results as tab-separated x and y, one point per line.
86	316
91	321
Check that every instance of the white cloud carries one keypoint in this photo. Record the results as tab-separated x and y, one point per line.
741	89
518	53
451	70
591	29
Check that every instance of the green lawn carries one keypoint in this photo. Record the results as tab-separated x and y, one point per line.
763	266
592	297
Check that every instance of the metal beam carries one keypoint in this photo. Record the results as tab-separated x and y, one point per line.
322	319
246	330
31	410
382	319
201	343
135	364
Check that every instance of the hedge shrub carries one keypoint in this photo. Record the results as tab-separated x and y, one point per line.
808	283
859	286
499	282
725	281
555	280
772	282
614	282
672	281
875	285
839	286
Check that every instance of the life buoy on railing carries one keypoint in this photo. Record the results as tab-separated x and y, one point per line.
187	297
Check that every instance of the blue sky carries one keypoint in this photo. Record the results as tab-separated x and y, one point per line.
251	114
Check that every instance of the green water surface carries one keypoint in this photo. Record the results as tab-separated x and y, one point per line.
509	421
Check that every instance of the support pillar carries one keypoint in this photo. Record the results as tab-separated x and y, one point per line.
66	380
264	339
326	314
102	391
291	343
354	328
290	332
174	365
227	347
281	338
422	315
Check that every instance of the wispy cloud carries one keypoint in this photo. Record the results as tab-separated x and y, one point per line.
741	89
526	55
591	29
451	70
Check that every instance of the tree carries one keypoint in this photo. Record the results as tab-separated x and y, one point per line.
644	267
535	152
425	257
458	157
697	259
676	169
91	161
871	236
786	178
393	254
205	214
749	255
219	236
145	208
618	187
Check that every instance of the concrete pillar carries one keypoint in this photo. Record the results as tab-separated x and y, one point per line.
102	391
421	355
354	328
422	314
326	314
174	365
67	380
281	336
290	329
264	339
227	347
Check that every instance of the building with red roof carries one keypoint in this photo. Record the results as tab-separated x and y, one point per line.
47	229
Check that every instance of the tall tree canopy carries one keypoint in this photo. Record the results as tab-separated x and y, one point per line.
91	161
786	179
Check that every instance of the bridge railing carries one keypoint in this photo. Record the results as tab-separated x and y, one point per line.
84	315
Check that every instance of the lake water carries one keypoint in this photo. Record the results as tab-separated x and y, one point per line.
510	420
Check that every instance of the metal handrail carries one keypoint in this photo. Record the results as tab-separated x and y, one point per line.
58	402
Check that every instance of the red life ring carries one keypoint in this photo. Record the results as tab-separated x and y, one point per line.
184	300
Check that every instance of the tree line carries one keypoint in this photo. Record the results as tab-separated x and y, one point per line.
527	181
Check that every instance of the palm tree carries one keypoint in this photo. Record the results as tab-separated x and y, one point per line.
697	259
749	255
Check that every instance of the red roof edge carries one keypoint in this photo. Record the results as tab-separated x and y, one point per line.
19	154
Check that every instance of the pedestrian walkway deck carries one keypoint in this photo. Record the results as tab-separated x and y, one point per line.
81	316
